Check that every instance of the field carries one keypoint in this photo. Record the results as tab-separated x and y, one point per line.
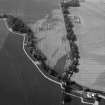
21	83
91	35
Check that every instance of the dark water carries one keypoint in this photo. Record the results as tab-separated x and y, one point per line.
20	82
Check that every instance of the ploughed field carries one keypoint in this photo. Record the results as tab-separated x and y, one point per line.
51	37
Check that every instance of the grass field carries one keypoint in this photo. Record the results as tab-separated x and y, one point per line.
91	36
